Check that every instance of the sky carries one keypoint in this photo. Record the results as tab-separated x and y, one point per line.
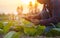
9	6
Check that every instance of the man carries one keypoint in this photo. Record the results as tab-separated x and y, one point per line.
54	10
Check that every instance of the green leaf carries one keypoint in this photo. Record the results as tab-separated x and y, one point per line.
1	31
7	27
26	22
40	30
29	31
18	28
10	34
1	25
57	29
13	34
54	32
58	25
17	35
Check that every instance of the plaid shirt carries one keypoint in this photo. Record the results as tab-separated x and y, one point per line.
55	13
56	7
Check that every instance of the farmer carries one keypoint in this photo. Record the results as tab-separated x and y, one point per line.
53	7
54	10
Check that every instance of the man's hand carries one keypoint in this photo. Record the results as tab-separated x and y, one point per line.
32	19
35	21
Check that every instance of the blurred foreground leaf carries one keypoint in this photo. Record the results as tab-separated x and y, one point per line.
54	32
10	34
30	31
58	25
1	25
40	30
1	31
7	27
17	35
13	34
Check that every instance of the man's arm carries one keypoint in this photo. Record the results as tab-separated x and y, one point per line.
50	20
45	21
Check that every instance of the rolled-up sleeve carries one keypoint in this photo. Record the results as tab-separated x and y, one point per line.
50	20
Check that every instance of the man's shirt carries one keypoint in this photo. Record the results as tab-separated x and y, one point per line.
56	7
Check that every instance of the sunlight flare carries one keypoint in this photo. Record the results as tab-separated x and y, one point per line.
28	6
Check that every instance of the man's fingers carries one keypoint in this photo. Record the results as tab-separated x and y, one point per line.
35	21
